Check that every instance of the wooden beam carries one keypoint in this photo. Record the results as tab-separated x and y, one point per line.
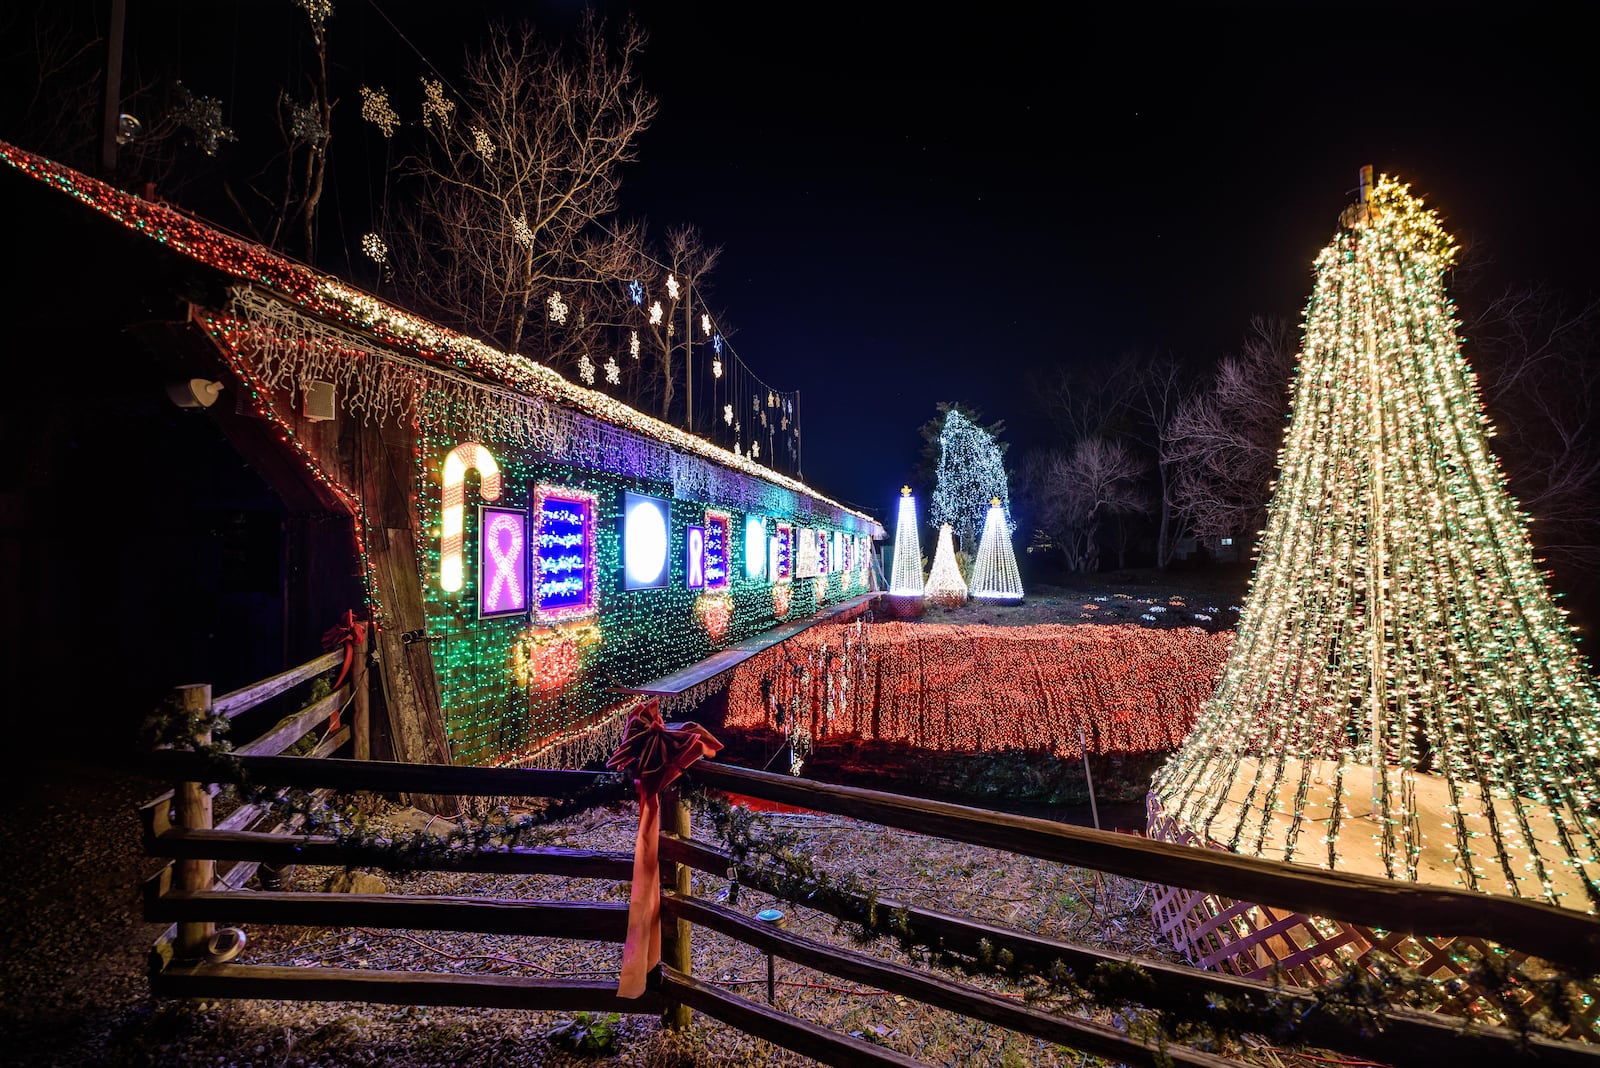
292	728
780	1028
378	776
1559	935
1074	1032
595	922
192	807
248	697
274	848
397	988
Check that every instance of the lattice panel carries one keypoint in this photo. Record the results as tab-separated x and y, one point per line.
1220	934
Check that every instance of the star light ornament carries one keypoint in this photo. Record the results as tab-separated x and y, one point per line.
994	573
946	587
1403	697
905	578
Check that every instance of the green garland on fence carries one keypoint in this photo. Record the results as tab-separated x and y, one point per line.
176	728
760	854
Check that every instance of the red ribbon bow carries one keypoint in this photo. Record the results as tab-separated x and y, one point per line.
350	633
654	754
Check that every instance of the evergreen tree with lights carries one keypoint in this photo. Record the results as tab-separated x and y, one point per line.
994	573
970	471
905	578
1403	697
946	587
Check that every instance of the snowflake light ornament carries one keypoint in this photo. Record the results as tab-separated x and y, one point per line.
520	231
633	343
483	144
705	323
613	371
656	313
305	123
202	117
558	313
586	369
716	367
436	107
755	449
375	109
727	414
374	247
672	286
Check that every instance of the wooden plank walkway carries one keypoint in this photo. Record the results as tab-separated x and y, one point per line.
736	654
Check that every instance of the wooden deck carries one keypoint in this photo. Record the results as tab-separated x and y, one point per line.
734	655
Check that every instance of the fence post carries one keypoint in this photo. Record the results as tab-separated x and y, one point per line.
193	803
360	690
675	936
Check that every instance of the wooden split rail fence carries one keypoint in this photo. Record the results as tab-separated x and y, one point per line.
179	827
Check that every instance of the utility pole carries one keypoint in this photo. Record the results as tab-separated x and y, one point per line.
108	136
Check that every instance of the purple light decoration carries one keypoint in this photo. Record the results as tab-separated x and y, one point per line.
785	561
564	566
822	554
502	562
719	536
694	551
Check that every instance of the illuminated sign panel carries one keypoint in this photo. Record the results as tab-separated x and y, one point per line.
805	563
719	539
563	552
646	523
694	557
782	569
755	547
824	557
502	561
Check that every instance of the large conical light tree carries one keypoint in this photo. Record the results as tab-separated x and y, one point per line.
1403	697
994	572
905	578
945	585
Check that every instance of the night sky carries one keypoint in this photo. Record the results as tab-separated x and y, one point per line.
916	207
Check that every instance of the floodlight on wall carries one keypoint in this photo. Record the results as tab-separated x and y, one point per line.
194	393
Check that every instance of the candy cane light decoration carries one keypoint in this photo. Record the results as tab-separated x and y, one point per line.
468	456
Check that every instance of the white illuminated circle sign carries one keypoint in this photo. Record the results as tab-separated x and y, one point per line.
644	542
755	546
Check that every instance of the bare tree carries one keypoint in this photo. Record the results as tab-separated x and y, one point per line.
507	237
1072	493
1537	357
1222	444
689	261
1159	388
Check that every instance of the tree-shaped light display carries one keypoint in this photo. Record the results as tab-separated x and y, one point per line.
971	472
946	587
905	579
1403	698
994	573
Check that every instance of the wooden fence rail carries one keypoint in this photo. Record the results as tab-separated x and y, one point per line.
179	827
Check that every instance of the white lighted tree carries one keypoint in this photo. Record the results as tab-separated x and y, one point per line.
1403	697
971	470
945	585
905	579
994	573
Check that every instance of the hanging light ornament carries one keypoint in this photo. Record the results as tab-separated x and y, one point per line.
558	308
374	247
716	367
656	313
716	343
633	343
613	370
672	286
727	414
586	369
705	323
755	449
636	291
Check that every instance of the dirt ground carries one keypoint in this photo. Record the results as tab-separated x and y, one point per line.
73	944
1210	600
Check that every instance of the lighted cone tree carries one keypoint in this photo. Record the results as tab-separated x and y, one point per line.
905	579
1403	698
994	573
946	587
